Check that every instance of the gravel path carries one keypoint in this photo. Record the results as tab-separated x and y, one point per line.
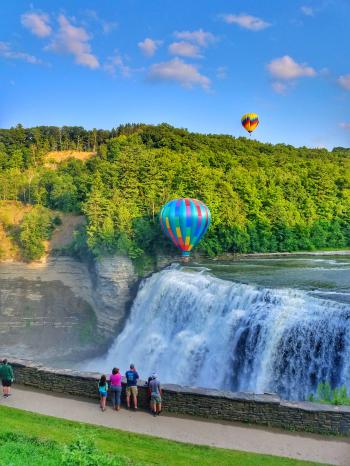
232	436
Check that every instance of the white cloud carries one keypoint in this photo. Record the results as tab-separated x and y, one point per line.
280	88
221	72
200	37
177	70
149	46
246	21
7	52
116	63
345	126
307	10
37	23
184	49
286	68
73	40
344	81
106	26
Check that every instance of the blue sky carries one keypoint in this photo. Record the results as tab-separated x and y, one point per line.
198	65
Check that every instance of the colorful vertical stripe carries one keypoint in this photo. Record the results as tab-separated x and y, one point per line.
185	221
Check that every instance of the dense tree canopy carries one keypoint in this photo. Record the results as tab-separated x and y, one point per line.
263	197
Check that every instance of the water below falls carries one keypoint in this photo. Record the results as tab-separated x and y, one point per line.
195	329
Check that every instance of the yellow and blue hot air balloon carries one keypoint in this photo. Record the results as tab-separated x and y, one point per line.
185	221
250	122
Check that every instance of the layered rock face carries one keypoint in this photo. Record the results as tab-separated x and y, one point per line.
114	288
63	310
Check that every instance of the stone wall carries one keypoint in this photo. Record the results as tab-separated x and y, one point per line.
267	409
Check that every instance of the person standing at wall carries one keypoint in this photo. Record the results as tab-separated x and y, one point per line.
6	376
115	381
131	385
156	395
103	391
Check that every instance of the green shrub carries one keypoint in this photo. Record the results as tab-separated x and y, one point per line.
37	226
324	392
57	221
335	396
83	452
19	450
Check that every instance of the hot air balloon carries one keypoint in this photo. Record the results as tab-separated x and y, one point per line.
185	221
250	122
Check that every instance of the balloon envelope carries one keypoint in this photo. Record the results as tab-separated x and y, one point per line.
185	221
250	121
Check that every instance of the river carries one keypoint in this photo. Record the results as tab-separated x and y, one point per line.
256	324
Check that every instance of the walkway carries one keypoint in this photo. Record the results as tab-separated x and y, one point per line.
232	436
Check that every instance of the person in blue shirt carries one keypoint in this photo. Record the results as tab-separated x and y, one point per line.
103	390
131	385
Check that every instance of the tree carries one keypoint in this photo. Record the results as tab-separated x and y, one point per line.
36	226
262	197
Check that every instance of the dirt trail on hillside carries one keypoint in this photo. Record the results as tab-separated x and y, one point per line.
63	235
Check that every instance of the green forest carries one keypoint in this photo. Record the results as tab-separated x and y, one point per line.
263	197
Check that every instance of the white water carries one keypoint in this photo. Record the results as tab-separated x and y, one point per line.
195	329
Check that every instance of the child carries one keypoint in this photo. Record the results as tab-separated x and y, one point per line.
103	389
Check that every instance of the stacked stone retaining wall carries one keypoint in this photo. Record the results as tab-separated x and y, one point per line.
266	409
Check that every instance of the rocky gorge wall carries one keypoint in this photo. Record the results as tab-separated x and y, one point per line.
63	309
267	409
114	283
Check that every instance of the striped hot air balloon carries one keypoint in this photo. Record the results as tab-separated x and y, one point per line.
250	122
185	221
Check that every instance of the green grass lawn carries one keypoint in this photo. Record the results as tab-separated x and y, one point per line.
32	439
18	450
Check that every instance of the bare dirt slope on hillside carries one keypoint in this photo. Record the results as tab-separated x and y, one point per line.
55	157
11	216
64	234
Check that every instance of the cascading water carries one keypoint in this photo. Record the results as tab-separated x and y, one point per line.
195	329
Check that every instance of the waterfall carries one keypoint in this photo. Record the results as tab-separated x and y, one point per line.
198	330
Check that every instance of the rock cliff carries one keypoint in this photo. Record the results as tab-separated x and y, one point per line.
114	287
62	309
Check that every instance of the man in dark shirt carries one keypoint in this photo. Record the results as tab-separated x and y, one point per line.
6	376
131	385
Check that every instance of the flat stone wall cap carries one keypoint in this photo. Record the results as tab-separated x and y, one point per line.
16	362
239	396
267	398
316	407
88	375
185	389
51	370
34	365
74	373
